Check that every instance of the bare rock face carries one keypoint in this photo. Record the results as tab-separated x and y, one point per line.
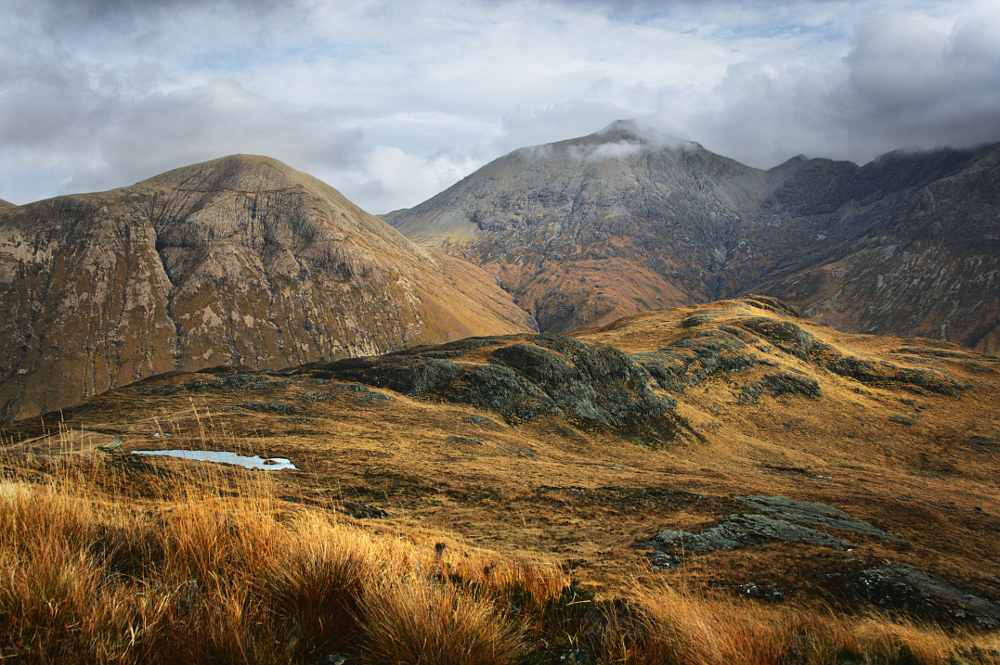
525	378
925	259
240	261
585	231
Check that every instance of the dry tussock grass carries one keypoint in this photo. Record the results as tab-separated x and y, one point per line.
219	570
228	575
679	628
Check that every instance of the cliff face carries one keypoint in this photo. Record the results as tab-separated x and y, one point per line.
238	261
924	257
585	231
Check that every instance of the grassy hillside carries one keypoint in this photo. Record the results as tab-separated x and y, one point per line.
430	521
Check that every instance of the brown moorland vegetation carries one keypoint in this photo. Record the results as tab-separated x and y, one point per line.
422	528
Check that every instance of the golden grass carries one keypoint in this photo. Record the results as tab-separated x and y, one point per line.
216	575
683	629
216	569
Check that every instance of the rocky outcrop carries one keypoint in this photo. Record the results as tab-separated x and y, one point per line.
810	512
241	261
783	522
745	531
585	231
524	378
902	588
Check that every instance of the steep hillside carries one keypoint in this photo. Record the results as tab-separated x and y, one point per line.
734	446
584	231
925	259
240	260
587	230
6	204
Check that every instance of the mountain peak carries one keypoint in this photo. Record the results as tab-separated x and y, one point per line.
240	260
621	139
245	173
630	131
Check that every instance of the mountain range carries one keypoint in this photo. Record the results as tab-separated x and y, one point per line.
245	261
588	230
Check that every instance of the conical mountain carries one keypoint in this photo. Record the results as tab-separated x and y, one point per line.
585	231
240	260
588	230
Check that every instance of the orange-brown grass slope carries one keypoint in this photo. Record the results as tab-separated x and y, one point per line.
903	433
910	453
217	568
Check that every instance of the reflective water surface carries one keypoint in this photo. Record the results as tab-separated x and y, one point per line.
222	457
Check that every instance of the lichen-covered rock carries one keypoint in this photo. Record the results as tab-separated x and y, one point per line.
783	522
526	378
746	531
810	512
897	587
694	358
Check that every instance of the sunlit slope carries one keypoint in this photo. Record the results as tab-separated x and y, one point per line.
585	447
240	260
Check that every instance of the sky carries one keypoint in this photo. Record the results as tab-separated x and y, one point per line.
392	102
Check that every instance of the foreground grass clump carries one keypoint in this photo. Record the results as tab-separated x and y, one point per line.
677	628
228	574
107	562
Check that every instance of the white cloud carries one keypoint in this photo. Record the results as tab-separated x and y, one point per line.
389	102
391	179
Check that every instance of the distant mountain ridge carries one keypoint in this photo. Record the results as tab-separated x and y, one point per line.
585	231
240	261
244	261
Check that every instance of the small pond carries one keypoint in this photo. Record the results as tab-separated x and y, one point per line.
222	457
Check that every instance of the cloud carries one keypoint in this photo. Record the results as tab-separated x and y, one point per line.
554	122
391	179
162	131
50	104
69	14
928	81
390	101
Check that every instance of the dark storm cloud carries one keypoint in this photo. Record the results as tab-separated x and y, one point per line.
69	13
920	82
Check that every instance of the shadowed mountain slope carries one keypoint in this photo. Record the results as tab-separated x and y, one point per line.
924	260
584	231
735	446
240	260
